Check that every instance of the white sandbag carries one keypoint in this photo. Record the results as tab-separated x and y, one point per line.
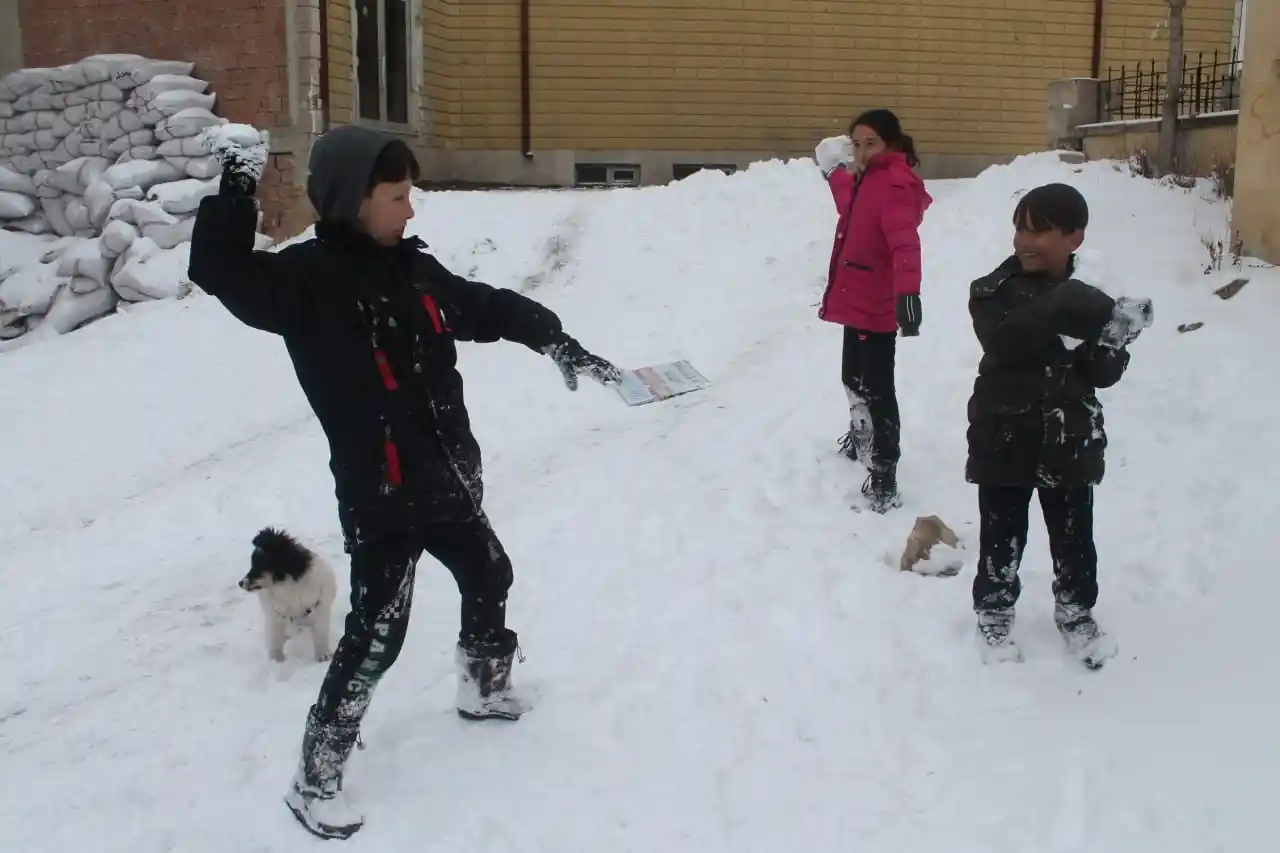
167	104
12	326
142	174
22	143
88	148
204	167
84	259
149	90
25	164
98	197
18	83
141	273
169	236
57	157
134	71
13	182
93	92
131	140
179	197
44	189
30	289
78	217
35	224
56	248
81	285
16	205
185	123
24	123
117	237
140	213
55	210
187	146
138	152
75	176
71	310
6	109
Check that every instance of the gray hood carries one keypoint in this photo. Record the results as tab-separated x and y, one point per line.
340	164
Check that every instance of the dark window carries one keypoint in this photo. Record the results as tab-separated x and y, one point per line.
383	65
606	175
680	171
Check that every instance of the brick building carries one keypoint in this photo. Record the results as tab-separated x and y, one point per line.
553	92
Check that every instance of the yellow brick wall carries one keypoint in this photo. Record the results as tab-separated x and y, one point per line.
1137	31
966	76
341	63
440	81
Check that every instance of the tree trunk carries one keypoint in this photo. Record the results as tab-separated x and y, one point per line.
1168	154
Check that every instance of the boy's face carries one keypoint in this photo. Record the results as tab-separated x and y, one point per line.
1045	251
386	211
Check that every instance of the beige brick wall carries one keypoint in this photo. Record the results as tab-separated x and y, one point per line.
442	111
968	77
341	63
1137	31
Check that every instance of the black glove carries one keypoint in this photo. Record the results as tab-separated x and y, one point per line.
909	314
242	152
575	361
238	179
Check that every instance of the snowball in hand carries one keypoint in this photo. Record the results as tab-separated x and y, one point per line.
250	146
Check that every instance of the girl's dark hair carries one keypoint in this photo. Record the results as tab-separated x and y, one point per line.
1050	207
395	163
888	128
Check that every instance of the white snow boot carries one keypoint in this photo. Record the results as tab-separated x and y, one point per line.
484	679
1086	642
994	634
316	797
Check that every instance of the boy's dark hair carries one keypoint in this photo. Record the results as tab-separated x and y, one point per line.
888	128
1052	207
395	163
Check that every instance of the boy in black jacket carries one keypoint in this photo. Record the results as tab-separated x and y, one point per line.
370	319
1035	423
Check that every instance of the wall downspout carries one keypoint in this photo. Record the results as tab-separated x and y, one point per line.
526	109
1095	69
324	66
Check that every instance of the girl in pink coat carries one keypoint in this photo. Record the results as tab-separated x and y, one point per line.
873	283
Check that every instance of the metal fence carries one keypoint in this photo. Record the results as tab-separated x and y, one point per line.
1210	84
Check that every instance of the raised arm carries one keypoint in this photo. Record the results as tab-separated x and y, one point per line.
264	290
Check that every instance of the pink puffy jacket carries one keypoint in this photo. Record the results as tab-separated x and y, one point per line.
876	255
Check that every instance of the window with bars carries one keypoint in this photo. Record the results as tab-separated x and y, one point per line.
383	32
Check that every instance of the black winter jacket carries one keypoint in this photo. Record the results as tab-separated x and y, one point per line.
1034	419
371	334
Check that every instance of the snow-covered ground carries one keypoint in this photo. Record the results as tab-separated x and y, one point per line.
724	656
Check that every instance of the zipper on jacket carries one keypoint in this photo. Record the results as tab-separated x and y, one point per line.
844	236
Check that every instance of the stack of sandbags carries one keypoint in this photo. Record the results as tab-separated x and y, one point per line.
110	154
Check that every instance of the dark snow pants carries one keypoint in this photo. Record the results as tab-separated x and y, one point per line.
1068	519
867	370
382	574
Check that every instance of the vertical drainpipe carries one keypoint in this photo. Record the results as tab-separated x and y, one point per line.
1095	69
526	109
324	65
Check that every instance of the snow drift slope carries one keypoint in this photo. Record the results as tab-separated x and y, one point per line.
723	654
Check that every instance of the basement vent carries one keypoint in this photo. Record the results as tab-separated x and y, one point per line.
680	171
606	175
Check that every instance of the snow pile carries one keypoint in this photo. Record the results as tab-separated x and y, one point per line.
111	155
697	602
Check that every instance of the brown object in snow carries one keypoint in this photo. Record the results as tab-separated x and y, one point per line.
928	531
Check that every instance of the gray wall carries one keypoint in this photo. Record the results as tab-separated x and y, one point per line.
10	37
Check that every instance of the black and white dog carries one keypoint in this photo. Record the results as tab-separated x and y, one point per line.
296	588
